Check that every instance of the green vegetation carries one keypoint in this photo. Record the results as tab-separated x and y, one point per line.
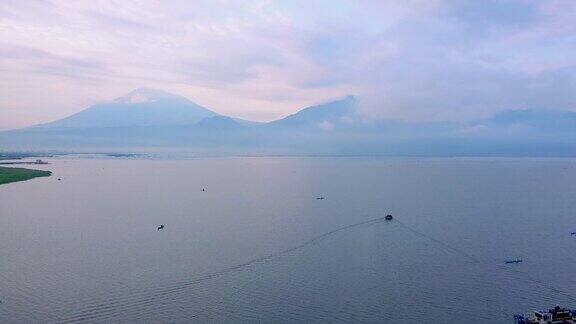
8	175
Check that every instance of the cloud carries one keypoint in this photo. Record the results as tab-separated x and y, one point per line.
263	59
40	57
121	23
326	125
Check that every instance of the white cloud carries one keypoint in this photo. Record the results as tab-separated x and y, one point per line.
326	125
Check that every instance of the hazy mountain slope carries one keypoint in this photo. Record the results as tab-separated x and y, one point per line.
551	120
326	116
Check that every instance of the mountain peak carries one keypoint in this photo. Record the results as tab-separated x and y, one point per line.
142	95
218	123
350	98
324	116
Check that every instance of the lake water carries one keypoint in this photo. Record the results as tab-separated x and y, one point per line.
257	246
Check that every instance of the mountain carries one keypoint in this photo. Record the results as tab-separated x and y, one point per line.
141	107
327	116
153	119
221	123
543	119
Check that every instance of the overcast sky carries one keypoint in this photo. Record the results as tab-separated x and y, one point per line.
261	60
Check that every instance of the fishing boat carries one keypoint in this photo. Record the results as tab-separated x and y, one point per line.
556	315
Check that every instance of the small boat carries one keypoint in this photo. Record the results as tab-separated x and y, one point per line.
160	227
572	233
320	198
388	217
513	261
554	315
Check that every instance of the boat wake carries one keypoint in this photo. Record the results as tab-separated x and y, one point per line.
491	263
103	311
147	299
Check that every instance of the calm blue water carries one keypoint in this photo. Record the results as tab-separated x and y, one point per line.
86	249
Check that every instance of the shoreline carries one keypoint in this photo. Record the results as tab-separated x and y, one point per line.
10	175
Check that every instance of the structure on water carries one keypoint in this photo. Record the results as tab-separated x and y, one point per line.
556	315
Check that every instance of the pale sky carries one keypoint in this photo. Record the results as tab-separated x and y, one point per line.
263	59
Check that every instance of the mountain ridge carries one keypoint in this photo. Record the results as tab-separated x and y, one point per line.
334	127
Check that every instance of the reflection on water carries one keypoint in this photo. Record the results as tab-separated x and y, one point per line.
257	245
